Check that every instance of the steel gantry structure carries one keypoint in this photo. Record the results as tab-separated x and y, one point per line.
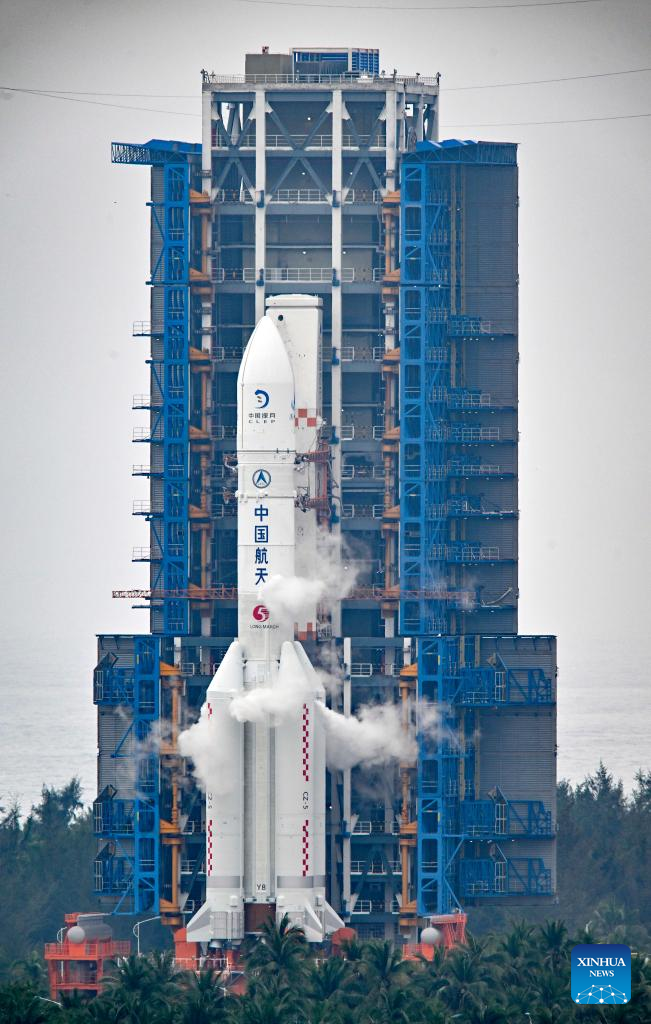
317	173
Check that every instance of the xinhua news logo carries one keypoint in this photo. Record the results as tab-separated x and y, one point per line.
601	974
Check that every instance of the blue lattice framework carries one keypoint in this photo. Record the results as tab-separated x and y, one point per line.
452	823
432	282
127	691
475	839
168	512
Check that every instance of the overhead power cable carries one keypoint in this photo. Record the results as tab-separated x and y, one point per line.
65	93
545	81
518	124
399	9
96	103
124	95
183	113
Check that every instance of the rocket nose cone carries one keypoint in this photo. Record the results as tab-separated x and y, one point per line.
265	393
265	358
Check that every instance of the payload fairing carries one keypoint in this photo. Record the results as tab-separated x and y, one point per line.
265	828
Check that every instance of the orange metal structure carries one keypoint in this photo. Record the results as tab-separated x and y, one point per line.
80	966
453	933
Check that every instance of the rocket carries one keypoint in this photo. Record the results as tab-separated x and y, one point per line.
265	828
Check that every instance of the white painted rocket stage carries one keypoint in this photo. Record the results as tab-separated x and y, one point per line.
265	830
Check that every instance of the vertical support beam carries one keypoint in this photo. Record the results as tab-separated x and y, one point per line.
260	199
206	314
420	118
206	178
347	805
336	318
391	144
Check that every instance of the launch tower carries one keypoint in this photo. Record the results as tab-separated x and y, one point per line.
320	174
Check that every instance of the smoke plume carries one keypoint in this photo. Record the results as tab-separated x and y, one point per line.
287	597
201	744
376	734
282	700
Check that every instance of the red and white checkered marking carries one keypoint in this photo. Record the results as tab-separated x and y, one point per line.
209	706
209	848
306	848
305	727
309	633
305	418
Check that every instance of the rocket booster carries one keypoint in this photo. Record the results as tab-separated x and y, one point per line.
265	826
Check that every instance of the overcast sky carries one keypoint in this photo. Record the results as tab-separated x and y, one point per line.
74	262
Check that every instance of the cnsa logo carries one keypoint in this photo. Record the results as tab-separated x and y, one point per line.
260	613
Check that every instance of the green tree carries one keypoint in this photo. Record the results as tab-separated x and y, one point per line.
21	1003
280	952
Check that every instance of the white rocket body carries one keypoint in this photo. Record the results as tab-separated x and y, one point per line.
265	826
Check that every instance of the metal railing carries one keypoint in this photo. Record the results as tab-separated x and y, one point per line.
374	472
289	195
219	432
468	325
141	554
141	328
233	195
368	828
275	275
465	469
290	142
146	402
141	508
141	434
293	142
362	195
280	275
299	195
363	432
350	352
362	511
300	78
460	434
221	353
465	552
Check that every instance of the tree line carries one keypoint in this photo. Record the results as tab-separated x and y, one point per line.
522	976
510	970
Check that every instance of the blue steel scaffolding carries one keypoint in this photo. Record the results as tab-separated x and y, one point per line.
474	839
127	678
452	822
169	403
126	686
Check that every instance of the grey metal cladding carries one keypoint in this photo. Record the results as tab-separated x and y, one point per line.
490	245
516	754
117	762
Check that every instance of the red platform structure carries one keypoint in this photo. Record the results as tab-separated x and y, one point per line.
78	963
452	931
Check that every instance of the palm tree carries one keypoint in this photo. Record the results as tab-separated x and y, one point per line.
487	1015
280	951
330	979
390	1006
20	1003
553	943
383	965
464	981
143	988
32	970
202	998
272	1003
